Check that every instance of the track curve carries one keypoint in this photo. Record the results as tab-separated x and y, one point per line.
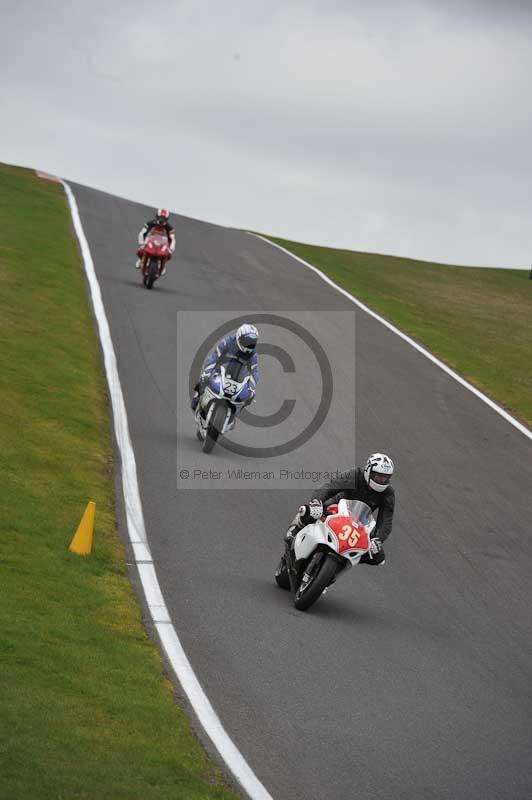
414	680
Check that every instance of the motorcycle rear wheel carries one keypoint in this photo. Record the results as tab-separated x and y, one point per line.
152	273
215	427
322	577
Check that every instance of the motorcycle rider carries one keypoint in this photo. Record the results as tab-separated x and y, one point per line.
372	486
236	346
161	222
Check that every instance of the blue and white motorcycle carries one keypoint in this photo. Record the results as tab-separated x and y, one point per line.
226	393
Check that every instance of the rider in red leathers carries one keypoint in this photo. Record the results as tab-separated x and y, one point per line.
161	224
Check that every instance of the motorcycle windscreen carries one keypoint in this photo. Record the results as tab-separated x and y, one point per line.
236	370
158	240
359	511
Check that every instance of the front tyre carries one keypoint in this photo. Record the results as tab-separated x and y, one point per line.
321	576
152	273
216	425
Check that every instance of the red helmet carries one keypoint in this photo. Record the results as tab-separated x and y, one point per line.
163	215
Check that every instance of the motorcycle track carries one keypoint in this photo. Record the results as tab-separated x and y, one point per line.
413	680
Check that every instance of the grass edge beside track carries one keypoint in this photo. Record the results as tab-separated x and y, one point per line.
89	711
477	320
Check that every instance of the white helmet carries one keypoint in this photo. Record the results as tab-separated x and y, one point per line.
246	338
378	471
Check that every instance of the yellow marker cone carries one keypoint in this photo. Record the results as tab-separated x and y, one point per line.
82	541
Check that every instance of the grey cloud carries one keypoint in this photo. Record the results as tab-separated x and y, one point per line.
400	127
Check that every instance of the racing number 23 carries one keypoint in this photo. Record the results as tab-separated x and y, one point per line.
350	534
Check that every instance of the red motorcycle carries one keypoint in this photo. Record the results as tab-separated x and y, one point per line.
154	253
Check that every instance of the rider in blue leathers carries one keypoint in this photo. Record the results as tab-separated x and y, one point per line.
238	346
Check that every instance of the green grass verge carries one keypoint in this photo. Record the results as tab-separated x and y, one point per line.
86	711
476	320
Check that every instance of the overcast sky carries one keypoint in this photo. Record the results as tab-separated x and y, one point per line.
403	128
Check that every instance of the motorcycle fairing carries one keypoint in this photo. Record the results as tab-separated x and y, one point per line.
235	391
349	535
310	537
222	386
340	532
205	410
157	241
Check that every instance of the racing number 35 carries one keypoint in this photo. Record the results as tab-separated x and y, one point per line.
349	534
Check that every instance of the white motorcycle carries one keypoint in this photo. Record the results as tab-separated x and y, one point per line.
223	397
325	549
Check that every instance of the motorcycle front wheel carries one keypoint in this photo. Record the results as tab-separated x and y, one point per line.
215	427
152	272
320	577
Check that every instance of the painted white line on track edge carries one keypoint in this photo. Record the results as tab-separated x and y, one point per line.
206	714
508	417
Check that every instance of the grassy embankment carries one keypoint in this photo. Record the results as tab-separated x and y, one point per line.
86	711
476	320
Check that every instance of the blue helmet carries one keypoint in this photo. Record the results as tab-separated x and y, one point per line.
246	338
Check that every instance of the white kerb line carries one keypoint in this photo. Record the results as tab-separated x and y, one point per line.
206	714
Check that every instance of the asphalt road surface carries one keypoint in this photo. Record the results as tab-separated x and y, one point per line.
413	680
